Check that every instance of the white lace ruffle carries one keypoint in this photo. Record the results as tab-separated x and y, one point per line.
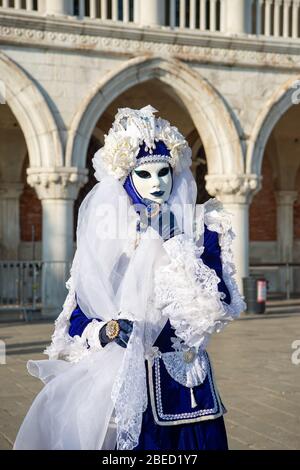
63	346
187	290
189	374
130	395
218	220
91	335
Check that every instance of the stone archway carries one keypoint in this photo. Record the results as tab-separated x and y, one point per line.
275	135
278	104
33	115
211	117
56	185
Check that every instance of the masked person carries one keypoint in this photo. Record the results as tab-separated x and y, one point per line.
151	280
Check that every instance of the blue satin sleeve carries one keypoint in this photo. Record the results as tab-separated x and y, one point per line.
212	258
78	322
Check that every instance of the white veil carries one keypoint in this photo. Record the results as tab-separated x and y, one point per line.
111	277
114	279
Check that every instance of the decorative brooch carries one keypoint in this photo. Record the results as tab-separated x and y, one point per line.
112	329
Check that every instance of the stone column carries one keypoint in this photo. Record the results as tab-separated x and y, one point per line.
285	224
136	11
236	192
286	17
58	7
10	219
295	13
57	189
285	234
238	16
151	12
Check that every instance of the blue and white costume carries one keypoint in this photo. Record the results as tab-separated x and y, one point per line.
159	393
170	421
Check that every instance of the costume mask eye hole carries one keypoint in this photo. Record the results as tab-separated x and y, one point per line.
143	173
164	171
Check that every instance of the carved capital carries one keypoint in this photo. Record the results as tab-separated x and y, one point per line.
10	190
286	198
233	188
57	183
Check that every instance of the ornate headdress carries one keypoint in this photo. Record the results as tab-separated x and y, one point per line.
137	137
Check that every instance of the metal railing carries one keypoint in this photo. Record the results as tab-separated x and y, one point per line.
20	284
30	286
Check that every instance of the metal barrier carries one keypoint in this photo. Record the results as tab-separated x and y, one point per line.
30	286
20	284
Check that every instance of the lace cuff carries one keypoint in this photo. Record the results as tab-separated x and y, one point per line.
91	335
219	220
186	289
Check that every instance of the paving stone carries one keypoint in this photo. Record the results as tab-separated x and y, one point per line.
252	362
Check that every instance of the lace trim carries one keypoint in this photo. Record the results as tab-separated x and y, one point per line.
180	416
63	346
153	158
187	374
129	393
187	290
190	374
219	220
91	335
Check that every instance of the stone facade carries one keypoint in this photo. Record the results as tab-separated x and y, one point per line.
234	95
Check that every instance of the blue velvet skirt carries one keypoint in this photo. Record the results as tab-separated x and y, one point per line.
208	434
204	435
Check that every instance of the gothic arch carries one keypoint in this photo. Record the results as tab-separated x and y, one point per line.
33	115
210	115
278	104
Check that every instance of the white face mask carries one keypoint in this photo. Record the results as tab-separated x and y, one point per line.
153	181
